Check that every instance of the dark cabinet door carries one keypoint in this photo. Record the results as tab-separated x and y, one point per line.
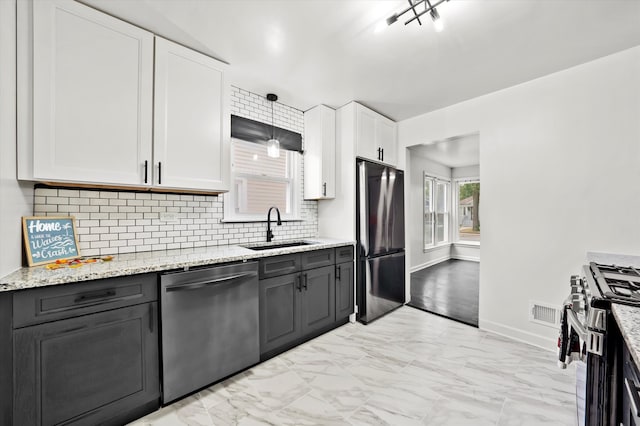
318	299
88	369
344	290
279	311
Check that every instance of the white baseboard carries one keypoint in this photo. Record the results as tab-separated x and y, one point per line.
429	263
471	258
542	342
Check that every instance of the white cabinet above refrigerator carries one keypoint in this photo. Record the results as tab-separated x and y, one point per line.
376	136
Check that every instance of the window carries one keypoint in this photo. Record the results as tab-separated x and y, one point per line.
436	211
259	182
468	211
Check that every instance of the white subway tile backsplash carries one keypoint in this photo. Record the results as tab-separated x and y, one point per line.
115	222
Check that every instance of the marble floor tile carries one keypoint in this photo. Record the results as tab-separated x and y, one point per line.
407	368
523	412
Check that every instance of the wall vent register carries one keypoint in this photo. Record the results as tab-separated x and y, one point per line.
544	314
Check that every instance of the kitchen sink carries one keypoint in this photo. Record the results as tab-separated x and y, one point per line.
269	246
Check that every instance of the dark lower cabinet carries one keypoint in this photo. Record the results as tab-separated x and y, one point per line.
344	290
279	311
297	306
294	305
86	370
97	365
317	299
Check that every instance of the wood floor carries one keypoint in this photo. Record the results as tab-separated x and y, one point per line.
449	288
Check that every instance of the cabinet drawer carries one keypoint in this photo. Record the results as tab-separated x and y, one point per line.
279	265
317	259
344	254
65	301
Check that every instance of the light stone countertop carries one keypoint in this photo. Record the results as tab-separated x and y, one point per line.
628	319
152	261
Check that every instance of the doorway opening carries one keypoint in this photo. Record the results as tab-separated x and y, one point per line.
444	204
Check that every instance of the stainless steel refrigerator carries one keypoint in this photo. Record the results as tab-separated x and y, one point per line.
380	233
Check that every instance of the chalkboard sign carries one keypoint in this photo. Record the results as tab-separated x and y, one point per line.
49	238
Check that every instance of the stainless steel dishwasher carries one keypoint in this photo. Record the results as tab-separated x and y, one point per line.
209	326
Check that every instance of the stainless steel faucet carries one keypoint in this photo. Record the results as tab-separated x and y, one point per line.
269	233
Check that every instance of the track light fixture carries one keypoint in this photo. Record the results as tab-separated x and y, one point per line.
429	7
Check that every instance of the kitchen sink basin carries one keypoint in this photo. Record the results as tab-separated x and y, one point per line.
269	246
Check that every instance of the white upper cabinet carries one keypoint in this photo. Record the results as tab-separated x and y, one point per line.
89	113
191	143
386	136
319	153
89	116
376	136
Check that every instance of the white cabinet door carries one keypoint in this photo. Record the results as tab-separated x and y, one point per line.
319	153
366	145
92	95
376	137
387	140
191	142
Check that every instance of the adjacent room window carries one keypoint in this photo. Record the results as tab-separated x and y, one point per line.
260	181
436	211
468	211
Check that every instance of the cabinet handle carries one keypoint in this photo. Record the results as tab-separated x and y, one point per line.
338	272
382	153
146	166
305	281
222	281
93	296
151	317
159	172
379	153
324	189
298	283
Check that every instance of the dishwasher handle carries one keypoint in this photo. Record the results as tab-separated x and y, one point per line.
209	282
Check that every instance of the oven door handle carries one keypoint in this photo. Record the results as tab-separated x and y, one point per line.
632	391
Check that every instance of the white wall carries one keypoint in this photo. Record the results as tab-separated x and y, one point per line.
560	175
418	258
15	199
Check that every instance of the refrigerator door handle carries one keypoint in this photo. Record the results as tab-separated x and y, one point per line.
364	214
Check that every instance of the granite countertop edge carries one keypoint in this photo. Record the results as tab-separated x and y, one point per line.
628	319
153	261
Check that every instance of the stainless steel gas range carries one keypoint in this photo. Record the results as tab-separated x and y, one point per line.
590	334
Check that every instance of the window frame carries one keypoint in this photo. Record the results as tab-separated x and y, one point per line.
456	209
434	181
294	164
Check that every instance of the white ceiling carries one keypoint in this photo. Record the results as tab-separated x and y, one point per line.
327	51
460	151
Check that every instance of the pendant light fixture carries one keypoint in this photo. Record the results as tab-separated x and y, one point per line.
273	144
